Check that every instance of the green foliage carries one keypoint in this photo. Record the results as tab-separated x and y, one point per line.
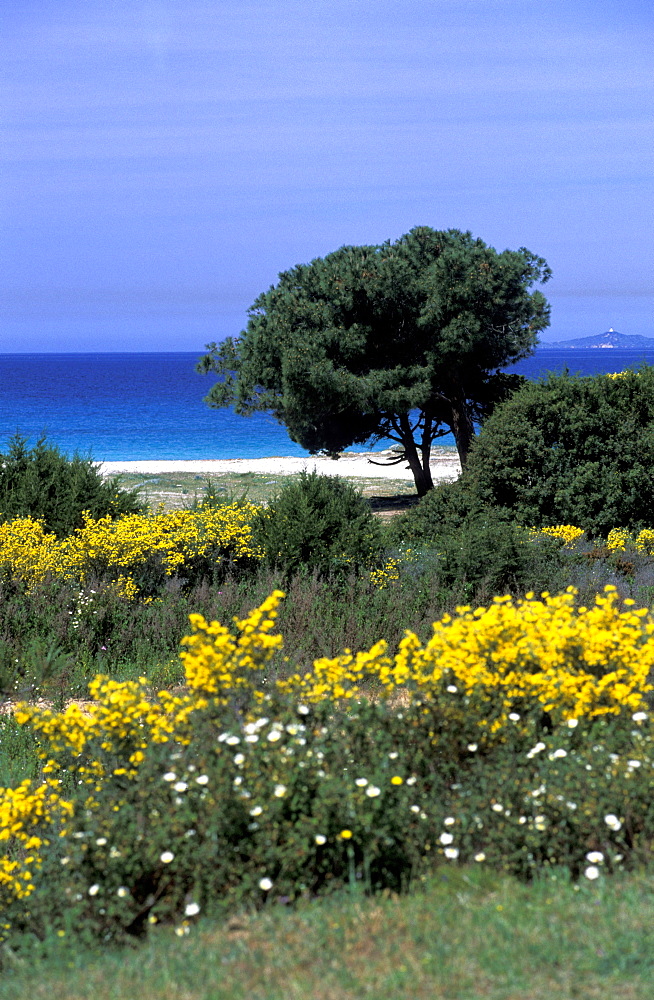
19	750
321	523
490	555
441	512
328	797
41	482
482	551
402	341
570	450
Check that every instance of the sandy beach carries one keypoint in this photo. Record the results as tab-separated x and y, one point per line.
444	465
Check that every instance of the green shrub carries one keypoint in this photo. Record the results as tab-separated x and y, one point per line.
440	512
319	523
570	450
42	482
490	555
481	550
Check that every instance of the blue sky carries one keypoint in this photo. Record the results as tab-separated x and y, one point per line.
163	160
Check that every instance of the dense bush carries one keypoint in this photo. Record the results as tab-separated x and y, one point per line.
519	737
489	554
569	450
481	549
319	523
440	512
42	483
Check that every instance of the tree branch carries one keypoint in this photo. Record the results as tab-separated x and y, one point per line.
395	461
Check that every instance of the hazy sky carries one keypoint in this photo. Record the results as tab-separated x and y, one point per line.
163	160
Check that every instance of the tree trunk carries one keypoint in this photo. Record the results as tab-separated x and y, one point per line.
421	471
462	425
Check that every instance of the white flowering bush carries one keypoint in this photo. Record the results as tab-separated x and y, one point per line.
291	804
240	793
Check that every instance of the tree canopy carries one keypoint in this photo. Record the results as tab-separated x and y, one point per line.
402	341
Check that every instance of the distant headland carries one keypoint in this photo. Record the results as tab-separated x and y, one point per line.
609	339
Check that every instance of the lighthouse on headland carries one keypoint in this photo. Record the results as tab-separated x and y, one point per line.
609	339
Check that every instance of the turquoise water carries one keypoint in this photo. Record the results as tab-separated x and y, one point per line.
130	407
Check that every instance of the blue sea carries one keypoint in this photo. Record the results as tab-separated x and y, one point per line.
132	407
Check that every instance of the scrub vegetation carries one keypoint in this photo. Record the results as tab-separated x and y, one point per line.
220	714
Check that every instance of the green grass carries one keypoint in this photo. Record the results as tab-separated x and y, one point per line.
463	935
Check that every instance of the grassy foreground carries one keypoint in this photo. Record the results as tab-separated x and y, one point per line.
466	934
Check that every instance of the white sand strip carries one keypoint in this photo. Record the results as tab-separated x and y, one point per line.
363	465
